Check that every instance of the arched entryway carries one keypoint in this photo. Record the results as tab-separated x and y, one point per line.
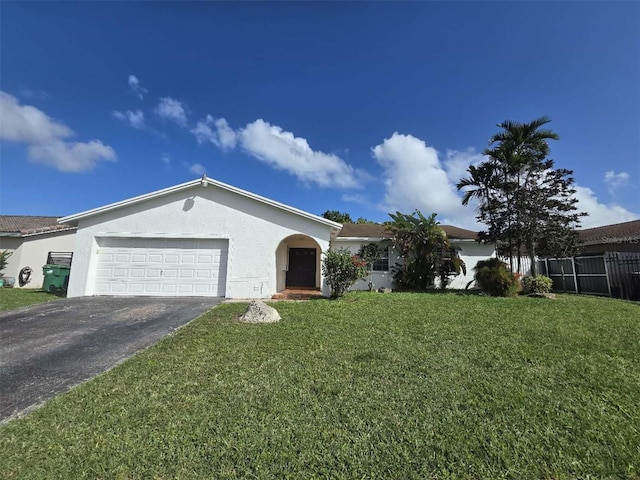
298	263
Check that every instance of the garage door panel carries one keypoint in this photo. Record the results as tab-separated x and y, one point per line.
203	274
169	288
161	267
120	272
171	273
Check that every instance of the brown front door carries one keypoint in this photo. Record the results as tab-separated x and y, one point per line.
302	267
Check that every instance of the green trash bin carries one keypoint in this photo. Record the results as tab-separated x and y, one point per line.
56	277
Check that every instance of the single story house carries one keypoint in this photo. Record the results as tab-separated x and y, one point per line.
207	238
30	239
199	238
619	237
353	236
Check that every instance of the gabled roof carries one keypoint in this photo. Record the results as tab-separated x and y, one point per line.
375	230
204	182
617	232
25	225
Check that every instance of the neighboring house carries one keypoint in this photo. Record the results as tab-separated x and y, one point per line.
30	239
620	237
200	238
353	236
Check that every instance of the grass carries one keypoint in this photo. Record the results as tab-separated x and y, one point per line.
371	386
11	298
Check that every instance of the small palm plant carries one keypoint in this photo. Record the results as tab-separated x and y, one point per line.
4	259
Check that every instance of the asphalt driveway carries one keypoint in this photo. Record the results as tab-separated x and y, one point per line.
48	348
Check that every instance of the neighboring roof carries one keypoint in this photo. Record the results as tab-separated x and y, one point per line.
618	232
204	181
23	225
376	230
457	233
363	230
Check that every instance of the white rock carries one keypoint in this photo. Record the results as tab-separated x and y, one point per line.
260	312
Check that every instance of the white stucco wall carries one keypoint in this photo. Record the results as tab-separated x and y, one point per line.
470	251
254	231
32	251
379	279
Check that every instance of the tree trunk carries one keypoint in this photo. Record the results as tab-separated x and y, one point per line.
532	259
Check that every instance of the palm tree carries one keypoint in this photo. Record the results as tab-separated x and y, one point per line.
524	142
520	154
482	178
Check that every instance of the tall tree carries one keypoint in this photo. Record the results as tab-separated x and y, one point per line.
520	195
336	216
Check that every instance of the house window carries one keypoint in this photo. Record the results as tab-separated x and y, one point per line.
382	264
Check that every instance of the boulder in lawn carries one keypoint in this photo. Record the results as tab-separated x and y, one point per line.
260	312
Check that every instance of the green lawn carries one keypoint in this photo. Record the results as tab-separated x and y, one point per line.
11	298
371	386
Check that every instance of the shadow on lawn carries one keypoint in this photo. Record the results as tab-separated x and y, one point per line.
448	291
464	293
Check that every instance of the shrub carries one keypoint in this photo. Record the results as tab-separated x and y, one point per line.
493	277
342	269
4	258
537	284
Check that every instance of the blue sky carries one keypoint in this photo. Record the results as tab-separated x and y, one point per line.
359	107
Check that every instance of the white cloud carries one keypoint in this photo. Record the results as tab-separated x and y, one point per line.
284	151
71	157
135	119
600	213
166	159
135	87
172	109
27	124
44	138
216	131
456	163
615	180
355	198
37	94
197	169
414	178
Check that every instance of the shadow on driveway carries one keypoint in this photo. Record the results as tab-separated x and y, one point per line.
48	348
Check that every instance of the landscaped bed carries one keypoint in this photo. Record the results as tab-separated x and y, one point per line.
11	298
371	386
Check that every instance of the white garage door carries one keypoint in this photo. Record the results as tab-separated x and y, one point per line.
161	267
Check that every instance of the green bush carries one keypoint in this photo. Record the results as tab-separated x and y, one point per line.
537	284
342	269
494	278
4	259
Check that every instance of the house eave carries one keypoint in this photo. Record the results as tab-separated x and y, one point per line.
204	182
58	230
362	239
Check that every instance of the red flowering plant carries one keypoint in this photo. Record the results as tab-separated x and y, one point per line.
342	269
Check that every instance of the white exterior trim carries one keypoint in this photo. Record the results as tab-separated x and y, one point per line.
204	181
362	239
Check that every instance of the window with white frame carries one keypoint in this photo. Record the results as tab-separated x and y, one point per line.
382	264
